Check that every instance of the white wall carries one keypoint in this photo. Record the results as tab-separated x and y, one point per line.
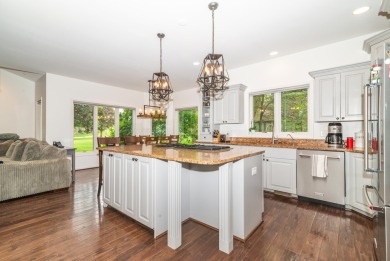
62	92
17	109
40	109
292	70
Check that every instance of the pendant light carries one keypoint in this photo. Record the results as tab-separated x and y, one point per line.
213	76
160	86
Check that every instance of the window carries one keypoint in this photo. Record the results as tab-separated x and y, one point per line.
188	125
83	127
284	110
159	127
125	123
263	111
294	111
91	121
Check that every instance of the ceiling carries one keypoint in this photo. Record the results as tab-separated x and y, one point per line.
115	42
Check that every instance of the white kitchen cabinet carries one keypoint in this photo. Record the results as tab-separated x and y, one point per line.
279	170
281	174
112	167
138	199
230	107
128	185
338	92
356	178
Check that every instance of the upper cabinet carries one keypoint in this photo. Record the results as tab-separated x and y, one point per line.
230	107
338	92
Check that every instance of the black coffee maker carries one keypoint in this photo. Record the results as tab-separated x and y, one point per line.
335	135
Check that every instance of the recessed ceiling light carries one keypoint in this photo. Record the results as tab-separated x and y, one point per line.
273	53
361	10
196	63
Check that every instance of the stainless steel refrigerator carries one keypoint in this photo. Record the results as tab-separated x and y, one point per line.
377	149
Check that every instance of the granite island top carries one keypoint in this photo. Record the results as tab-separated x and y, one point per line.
202	157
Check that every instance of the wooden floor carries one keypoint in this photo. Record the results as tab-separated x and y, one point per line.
73	225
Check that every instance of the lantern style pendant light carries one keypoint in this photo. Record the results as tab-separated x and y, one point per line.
213	75
160	86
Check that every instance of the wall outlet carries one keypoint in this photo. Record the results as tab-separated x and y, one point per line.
254	170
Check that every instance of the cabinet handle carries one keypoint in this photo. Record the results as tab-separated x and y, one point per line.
136	159
267	159
342	118
337	118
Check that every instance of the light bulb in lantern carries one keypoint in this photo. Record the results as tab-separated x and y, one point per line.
218	69
140	111
208	69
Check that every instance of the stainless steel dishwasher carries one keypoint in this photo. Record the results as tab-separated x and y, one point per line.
331	189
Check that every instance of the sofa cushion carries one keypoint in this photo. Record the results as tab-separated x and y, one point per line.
18	151
4	146
11	149
9	136
32	151
51	152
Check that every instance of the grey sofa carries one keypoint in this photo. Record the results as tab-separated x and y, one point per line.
31	167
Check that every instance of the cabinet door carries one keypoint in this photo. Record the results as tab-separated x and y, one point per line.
116	180
281	175
218	111
107	172
129	179
351	101
357	178
144	189
231	106
327	98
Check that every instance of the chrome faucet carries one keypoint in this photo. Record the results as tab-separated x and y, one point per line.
292	138
274	140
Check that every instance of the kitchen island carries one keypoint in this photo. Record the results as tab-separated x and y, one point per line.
162	187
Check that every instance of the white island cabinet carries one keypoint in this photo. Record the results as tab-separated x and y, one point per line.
222	189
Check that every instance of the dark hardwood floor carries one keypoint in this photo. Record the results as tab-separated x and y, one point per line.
73	225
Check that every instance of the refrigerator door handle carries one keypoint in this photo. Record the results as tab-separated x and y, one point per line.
372	207
366	127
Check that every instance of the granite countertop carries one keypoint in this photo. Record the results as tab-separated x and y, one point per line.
304	144
185	155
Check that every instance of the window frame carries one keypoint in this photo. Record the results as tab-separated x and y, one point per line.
95	123
278	112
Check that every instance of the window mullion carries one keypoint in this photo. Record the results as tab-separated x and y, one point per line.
277	112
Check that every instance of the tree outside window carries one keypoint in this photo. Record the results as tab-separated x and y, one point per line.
125	123
285	109
188	125
159	127
294	111
263	112
83	127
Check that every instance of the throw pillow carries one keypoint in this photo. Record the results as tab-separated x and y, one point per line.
18	151
9	136
4	146
32	151
11	149
51	152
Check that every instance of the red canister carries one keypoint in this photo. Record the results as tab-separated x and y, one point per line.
349	143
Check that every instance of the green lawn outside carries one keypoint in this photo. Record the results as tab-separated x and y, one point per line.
83	142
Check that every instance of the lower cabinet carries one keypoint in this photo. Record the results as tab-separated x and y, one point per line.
356	178
128	182
279	170
280	174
